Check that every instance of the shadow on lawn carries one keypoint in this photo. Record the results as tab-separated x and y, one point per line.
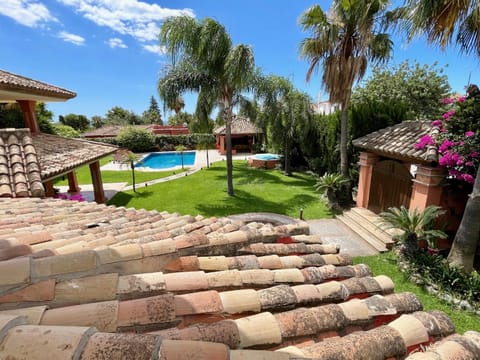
244	202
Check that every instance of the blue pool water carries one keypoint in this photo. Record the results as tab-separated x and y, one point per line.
267	156
165	160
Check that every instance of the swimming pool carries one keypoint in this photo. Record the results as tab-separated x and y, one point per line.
166	160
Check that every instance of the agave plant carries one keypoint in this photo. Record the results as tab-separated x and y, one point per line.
415	225
329	184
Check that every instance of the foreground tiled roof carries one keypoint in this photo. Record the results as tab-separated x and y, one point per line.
19	166
23	86
398	142
88	281
240	126
58	155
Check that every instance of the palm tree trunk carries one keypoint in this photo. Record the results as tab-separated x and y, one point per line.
466	240
208	161
287	170
343	142
228	140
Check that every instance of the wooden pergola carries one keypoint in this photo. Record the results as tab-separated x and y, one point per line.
26	93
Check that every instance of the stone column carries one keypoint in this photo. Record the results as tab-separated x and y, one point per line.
98	191
73	182
427	187
367	162
28	110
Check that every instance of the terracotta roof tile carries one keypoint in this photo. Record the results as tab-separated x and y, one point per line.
19	166
398	142
205	296
20	84
58	155
240	125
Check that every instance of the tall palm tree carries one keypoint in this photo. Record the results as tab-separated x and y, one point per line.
439	21
442	21
343	41
205	61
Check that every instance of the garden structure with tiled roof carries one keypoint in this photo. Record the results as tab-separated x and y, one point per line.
394	172
244	135
26	154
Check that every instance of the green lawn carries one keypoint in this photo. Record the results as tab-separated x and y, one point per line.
385	264
113	176
205	193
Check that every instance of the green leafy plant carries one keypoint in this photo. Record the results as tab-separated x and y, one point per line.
414	225
329	185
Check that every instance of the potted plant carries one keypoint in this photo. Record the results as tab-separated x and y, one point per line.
415	226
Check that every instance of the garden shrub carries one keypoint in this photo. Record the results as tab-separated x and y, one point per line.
136	140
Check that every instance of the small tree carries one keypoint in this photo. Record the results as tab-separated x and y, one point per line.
78	122
152	115
131	159
180	149
205	143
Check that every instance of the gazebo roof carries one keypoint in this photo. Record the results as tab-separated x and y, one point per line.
15	87
240	126
58	155
398	142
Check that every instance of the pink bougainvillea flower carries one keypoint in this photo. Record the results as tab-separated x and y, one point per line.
469	134
468	178
424	141
461	99
469	163
438	123
474	154
447	101
446	144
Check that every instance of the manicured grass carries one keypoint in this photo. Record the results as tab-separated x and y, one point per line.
113	176
205	193
386	264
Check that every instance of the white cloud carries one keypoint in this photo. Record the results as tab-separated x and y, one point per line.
30	13
136	18
156	49
71	38
116	42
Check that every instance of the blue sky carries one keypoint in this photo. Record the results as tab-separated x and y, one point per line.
107	50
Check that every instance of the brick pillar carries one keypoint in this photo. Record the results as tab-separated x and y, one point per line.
73	182
28	110
367	162
97	182
49	190
427	187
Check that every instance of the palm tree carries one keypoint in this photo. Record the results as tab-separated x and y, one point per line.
439	21
205	61
180	149
343	41
285	111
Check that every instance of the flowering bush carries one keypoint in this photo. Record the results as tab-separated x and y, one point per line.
74	197
458	140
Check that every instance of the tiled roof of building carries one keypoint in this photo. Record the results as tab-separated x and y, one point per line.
58	155
240	126
86	281
111	130
20	174
398	142
24	88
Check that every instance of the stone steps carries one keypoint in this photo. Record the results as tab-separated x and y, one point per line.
367	225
